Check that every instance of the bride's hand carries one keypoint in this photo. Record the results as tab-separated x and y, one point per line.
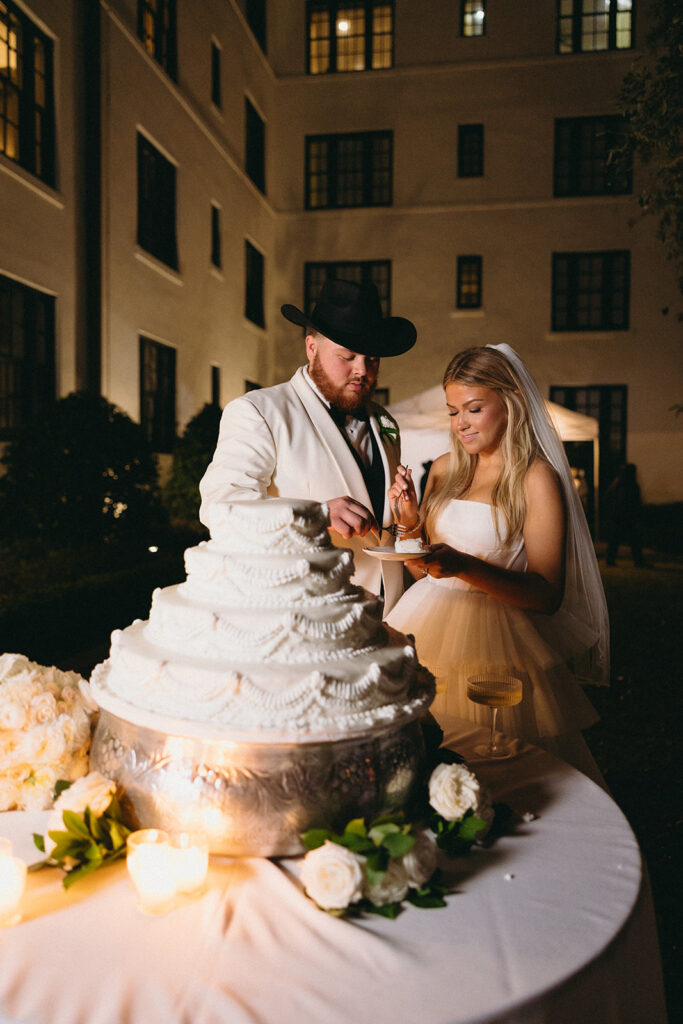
440	561
403	498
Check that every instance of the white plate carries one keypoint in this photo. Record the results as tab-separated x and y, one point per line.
391	555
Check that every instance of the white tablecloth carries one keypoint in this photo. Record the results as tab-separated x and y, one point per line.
549	924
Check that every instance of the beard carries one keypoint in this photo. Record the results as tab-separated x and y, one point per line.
335	395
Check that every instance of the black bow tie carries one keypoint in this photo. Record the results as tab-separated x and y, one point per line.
340	416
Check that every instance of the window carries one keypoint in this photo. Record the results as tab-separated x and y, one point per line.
255	146
591	291
216	236
27	114
589	25
157	394
27	354
582	146
468	289
350	35
156	203
216	386
470	150
256	19
348	170
216	98
606	404
473	18
157	30
253	299
377	272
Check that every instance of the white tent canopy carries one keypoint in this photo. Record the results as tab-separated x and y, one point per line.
425	429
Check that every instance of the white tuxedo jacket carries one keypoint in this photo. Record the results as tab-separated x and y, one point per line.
282	442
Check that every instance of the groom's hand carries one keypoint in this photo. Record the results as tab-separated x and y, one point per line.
349	518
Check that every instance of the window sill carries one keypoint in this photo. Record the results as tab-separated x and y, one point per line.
24	177
161	268
216	272
468	314
609	334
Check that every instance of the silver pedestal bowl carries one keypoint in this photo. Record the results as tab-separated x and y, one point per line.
254	799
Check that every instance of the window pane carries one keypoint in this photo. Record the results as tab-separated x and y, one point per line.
473	18
348	36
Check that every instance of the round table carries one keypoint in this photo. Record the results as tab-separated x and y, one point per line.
551	923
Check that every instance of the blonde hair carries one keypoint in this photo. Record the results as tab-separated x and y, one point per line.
487	368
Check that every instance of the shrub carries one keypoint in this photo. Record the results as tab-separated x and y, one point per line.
85	472
191	455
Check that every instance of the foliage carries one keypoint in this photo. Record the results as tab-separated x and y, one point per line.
651	101
191	456
84	472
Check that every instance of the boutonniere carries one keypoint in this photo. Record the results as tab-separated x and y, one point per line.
387	428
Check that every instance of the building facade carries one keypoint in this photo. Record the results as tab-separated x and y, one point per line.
172	171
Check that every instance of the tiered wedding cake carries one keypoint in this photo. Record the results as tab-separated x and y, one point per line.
266	678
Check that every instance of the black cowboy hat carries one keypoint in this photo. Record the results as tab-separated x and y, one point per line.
350	315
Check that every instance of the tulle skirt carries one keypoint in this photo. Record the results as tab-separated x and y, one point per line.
460	632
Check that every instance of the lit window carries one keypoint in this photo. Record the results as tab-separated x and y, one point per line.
349	35
157	393
157	30
473	18
27	354
156	203
470	150
377	272
349	170
582	148
27	117
585	26
591	291
469	286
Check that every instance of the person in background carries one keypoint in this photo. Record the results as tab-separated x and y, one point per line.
624	511
510	579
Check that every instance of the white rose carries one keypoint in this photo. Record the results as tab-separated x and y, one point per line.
92	790
453	790
332	876
12	716
392	889
420	862
86	695
43	708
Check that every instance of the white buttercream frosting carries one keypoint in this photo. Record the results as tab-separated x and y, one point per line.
266	636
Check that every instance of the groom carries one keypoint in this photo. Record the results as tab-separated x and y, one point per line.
320	436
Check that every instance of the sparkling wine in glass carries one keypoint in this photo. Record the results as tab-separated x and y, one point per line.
494	690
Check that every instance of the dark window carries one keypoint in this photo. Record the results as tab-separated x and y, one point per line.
591	25
591	291
377	272
27	354
582	148
473	18
470	150
256	19
255	146
216	98
216	386
348	170
350	35
215	236
157	393
157	30
27	113
468	290
156	203
253	299
606	404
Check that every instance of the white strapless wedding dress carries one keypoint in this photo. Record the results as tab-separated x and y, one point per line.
460	631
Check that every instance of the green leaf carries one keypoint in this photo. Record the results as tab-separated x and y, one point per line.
470	826
357	843
39	865
39	841
315	837
65	846
60	786
398	843
390	910
356	826
75	824
118	834
94	825
427	901
72	877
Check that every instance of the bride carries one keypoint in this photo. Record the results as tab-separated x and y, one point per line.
509	579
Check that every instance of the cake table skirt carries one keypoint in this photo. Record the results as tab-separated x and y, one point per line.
255	799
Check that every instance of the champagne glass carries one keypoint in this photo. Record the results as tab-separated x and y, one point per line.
494	690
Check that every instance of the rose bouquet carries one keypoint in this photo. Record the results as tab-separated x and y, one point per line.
375	866
45	725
